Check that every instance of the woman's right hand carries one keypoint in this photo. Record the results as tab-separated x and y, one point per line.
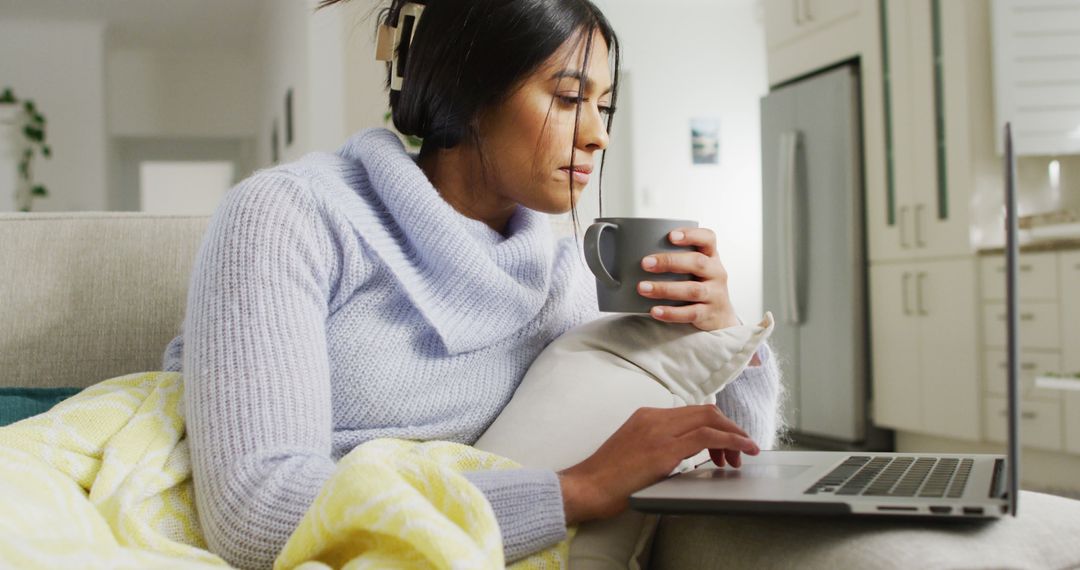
645	449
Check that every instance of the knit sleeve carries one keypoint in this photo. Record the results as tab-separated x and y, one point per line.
257	381
752	400
528	506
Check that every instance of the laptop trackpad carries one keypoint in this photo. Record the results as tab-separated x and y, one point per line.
751	472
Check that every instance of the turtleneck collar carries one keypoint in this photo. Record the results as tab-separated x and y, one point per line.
474	285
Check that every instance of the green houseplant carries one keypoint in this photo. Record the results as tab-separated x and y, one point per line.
32	128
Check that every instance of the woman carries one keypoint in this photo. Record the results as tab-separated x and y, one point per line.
368	293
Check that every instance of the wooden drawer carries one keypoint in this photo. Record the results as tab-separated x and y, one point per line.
1031	365
1040	423
1038	277
1040	325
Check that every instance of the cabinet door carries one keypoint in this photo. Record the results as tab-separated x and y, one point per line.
959	65
949	347
1069	272
787	20
895	347
1040	423
890	217
1038	277
1039	328
782	22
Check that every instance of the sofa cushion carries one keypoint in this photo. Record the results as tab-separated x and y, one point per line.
1042	536
91	296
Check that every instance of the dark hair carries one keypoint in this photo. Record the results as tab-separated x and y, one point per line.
468	55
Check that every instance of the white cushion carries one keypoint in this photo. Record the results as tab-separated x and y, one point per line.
586	384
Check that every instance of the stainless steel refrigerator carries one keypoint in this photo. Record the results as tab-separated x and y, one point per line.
815	267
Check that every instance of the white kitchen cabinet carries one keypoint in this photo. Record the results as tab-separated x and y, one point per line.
1072	422
1049	324
1032	364
1040	423
895	347
804	36
1039	325
938	115
788	20
1037	276
925	347
1069	271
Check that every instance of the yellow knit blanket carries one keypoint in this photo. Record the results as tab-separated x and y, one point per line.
103	480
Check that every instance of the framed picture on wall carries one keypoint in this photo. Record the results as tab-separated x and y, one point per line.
288	117
705	140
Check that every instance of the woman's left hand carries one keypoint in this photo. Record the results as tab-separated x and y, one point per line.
710	307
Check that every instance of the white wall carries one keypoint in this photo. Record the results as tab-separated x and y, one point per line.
159	94
698	58
60	65
282	44
328	59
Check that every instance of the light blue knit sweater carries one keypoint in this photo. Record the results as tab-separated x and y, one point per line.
339	299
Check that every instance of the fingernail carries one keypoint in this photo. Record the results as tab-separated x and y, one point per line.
658	312
676	236
649	262
646	287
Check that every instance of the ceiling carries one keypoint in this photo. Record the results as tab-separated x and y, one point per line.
173	25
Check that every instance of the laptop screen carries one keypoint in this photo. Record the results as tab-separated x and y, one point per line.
1011	321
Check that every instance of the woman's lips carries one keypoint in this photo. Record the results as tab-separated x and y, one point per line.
580	176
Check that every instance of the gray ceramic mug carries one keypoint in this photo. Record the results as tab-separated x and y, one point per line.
614	248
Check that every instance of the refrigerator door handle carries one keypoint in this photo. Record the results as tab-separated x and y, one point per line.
788	226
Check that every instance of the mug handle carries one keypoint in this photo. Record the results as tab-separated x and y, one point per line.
592	253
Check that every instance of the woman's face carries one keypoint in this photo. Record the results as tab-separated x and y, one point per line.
529	137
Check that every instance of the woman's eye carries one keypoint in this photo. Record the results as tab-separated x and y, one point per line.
606	110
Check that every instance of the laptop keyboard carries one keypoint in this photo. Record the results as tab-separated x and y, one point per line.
897	477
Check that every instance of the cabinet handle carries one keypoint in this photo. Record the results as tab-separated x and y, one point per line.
919	293
1023	365
1023	317
1023	267
919	210
903	227
906	284
1027	415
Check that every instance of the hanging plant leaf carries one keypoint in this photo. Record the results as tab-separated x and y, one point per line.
7	96
46	151
27	153
39	191
24	209
29	106
39	119
24	168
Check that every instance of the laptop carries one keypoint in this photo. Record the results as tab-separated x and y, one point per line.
883	484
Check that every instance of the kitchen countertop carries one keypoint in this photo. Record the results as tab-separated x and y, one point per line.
1037	246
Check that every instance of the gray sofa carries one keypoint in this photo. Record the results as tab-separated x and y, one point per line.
90	296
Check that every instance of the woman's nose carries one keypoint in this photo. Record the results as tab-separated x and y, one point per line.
592	132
